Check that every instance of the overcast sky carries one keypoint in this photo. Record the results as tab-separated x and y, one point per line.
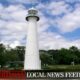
59	25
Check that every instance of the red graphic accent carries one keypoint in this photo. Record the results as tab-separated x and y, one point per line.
13	74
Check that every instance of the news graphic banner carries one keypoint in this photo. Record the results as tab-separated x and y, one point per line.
37	74
12	74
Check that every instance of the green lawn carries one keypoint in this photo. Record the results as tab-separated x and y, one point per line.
53	67
64	67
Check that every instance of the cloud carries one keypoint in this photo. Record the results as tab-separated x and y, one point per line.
67	17
14	44
68	1
72	1
13	26
43	24
70	22
23	1
67	23
57	8
55	41
13	12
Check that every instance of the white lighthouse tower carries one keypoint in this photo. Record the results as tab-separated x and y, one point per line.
32	58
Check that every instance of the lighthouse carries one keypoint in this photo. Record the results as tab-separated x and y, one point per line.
32	57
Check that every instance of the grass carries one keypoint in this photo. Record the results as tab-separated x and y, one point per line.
52	67
63	67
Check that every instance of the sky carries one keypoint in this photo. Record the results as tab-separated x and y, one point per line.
58	27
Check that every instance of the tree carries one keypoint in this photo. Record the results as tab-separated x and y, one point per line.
2	55
20	50
74	49
76	54
45	59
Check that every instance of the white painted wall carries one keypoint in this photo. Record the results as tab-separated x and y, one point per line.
32	58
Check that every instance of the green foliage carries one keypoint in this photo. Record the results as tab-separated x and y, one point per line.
14	58
62	56
11	57
2	55
20	50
